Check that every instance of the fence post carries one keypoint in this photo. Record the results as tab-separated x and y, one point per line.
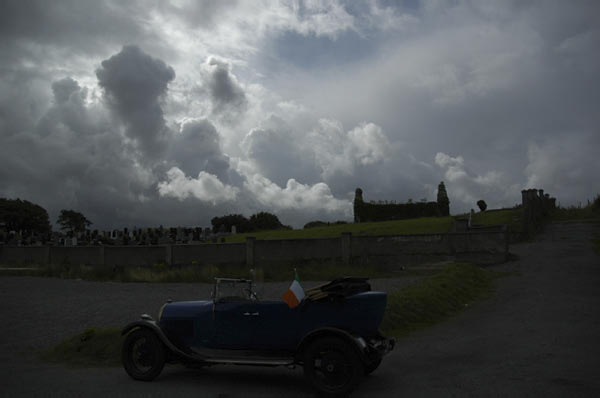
102	257
346	240
169	254
250	241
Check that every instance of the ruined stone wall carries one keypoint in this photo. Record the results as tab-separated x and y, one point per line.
369	212
536	210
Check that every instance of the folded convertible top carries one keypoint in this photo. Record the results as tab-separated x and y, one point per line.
337	288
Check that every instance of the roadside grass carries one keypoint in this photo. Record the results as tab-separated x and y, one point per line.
423	225
588	213
596	243
161	273
95	347
434	299
418	306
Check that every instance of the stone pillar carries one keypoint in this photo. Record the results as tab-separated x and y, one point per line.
169	254
250	241
102	259
47	255
346	240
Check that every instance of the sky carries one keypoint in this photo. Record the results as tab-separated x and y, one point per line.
147	113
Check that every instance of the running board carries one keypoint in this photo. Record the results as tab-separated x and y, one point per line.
256	361
243	357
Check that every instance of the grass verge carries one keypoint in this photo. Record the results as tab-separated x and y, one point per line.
421	305
161	273
596	243
434	299
92	348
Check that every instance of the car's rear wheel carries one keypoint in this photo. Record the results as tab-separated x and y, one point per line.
143	355
332	366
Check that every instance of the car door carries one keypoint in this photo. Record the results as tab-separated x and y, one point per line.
234	322
275	326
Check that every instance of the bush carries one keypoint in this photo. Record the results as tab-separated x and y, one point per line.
314	224
596	204
482	205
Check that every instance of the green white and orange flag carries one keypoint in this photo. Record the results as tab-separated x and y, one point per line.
295	293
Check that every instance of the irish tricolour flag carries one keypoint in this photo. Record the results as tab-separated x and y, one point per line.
295	293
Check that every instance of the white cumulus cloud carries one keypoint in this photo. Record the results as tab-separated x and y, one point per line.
295	195
207	187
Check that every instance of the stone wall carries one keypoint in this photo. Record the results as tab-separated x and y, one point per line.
219	253
479	247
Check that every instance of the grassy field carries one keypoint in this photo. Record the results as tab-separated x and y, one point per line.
423	304
511	217
424	225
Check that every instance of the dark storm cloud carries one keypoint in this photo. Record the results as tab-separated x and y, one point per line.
197	148
134	84
63	89
225	92
274	149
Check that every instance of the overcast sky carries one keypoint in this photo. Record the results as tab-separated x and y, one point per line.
173	112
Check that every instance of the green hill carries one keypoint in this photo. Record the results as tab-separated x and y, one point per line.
425	225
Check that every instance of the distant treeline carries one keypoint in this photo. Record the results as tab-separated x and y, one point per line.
314	224
262	221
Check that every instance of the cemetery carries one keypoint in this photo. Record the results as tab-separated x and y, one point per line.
202	246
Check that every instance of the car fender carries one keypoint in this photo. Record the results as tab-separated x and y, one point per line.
357	342
149	323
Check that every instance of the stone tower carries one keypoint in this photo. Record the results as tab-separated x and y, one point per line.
358	202
442	200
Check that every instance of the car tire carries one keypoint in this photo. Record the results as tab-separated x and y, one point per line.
143	355
332	367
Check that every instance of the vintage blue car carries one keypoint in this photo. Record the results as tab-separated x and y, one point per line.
333	334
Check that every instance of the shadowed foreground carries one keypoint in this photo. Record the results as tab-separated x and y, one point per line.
538	336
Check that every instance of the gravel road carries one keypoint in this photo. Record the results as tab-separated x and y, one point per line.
537	336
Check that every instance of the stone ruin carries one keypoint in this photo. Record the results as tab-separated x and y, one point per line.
368	212
536	208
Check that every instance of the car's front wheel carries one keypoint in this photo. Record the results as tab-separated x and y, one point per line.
332	366
143	355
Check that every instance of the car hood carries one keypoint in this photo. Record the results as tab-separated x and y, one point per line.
186	309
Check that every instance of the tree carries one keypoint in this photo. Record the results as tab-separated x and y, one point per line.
73	221
264	221
22	215
226	222
482	205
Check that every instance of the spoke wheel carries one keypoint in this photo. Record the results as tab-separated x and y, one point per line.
332	367
143	355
